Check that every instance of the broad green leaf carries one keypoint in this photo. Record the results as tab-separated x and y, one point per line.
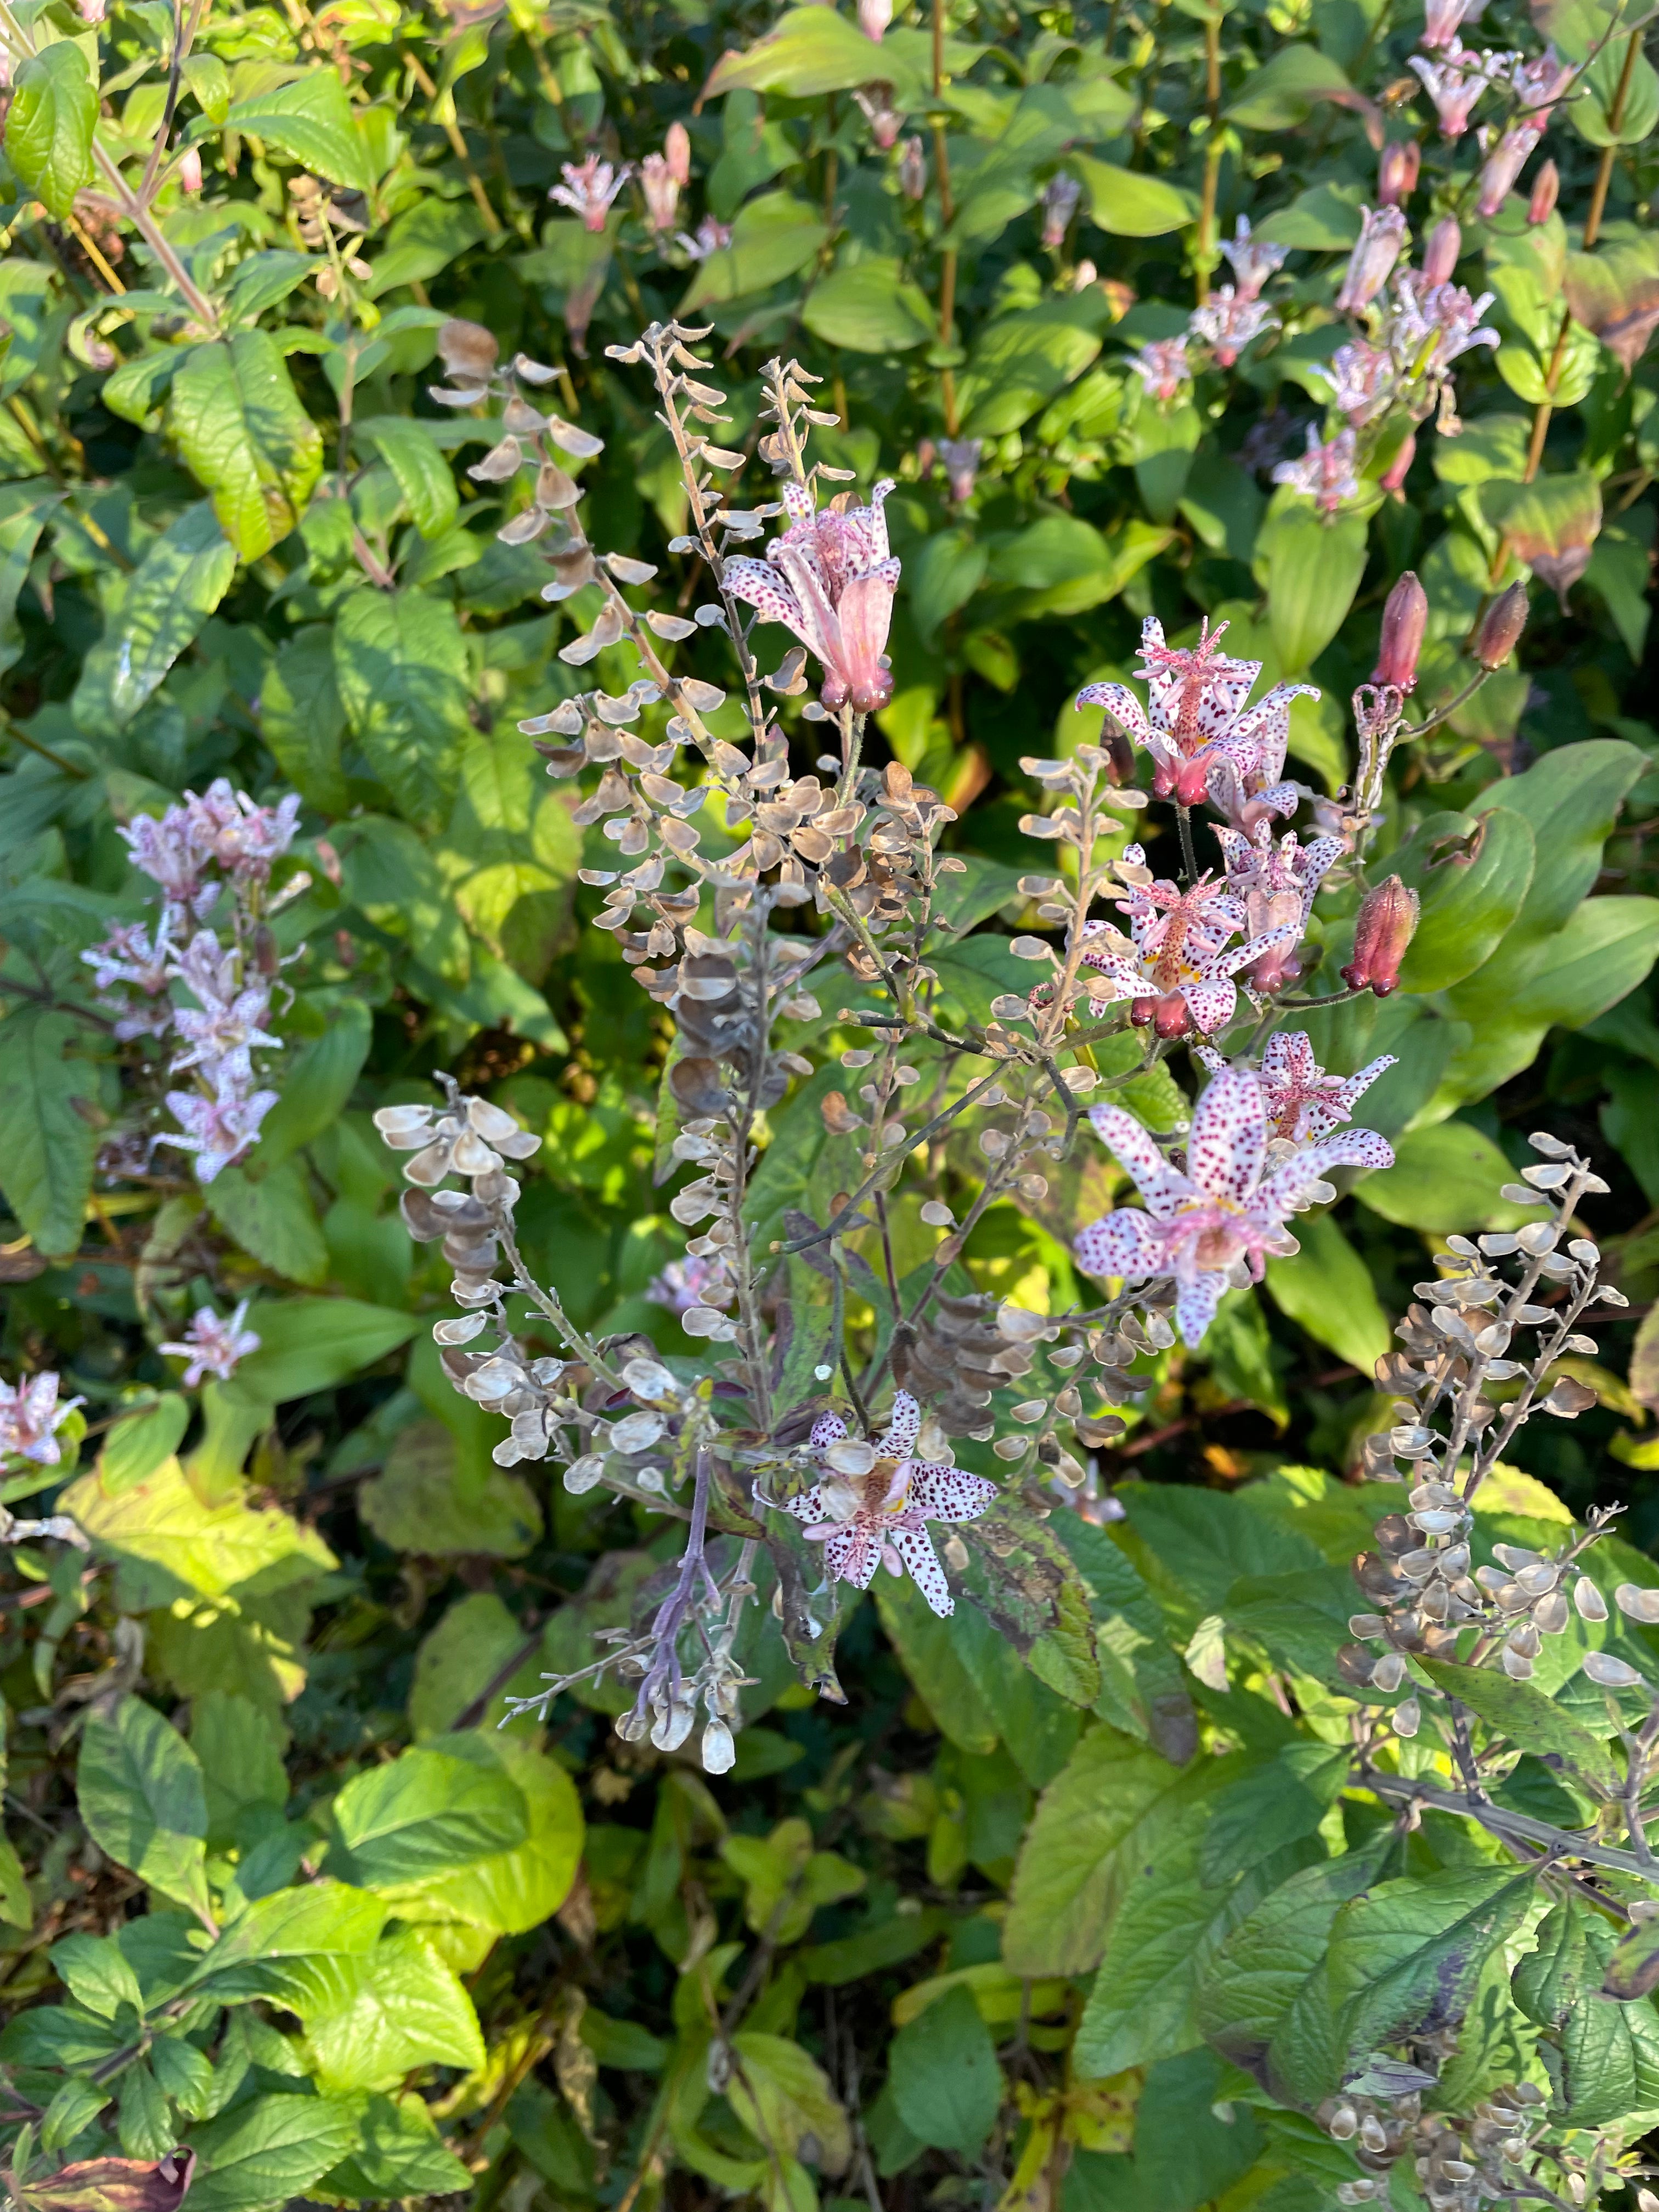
235	416
1609	2062
47	1144
317	1084
943	2077
419	463
1569	1951
400	662
267	1208
168	1544
423	1501
783	2098
1255	2006
773	237
135	1447
372	2016
239	1748
1299	1619
1311	565
1283	92
932	1658
458	1661
142	2123
1616	79
1524	1717
422	241
311	119
1204	1540
1405	1959
1572	798
1473	873
1144	1687
257	1950
269	2151
426	1813
870	306
1327	1288
1077	1853
1280	1803
508	1888
302	721
138	1787
1446	1177
810	51
1128	204
50	123
97	1974
181	579
308	1345
400	2154
1020	361
24	511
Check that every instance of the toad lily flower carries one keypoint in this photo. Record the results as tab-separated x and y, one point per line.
1174	968
589	187
30	1417
1205	740
831	580
1223	1214
1455	82
1277	884
213	1345
1303	1103
869	1508
1253	260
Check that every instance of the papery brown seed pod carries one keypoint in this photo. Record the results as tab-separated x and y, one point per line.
468	349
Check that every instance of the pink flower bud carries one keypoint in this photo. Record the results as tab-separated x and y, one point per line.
1445	244
1500	629
1405	619
1383	234
1388	918
676	152
1400	466
874	16
190	169
913	169
1396	174
1544	191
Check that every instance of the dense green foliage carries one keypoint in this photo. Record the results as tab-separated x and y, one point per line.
1105	1892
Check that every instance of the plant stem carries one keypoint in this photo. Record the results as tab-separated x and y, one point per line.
1188	856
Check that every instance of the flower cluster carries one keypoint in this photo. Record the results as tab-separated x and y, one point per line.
1212	1221
205	989
1224	324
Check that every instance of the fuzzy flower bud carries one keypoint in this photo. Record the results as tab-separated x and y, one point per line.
913	169
1405	619
1397	172
676	152
1400	466
1387	921
190	169
1545	191
1501	627
1445	244
1372	262
874	16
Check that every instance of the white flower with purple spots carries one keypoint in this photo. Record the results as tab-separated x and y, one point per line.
1175	967
831	580
869	1508
30	1417
213	1346
1219	1218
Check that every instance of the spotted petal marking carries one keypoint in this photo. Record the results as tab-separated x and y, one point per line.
810	1506
948	1493
759	585
1122	704
916	1550
1229	1136
1161	1185
852	1555
1125	1244
1350	1148
1288	1059
903	1426
1211	1005
828	1429
1197	1296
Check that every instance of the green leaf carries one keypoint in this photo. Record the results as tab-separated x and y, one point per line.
1571	798
50	125
1018	364
1259	2004
773	237
1078	1853
784	2098
1609	2062
1445	1178
1616	79
1280	1802
420	467
1129	203
168	1544
1283	91
1549	1981
97	1974
48	1145
929	1654
400	2154
1311	565
374	2015
870	306
139	1786
812	50
302	721
943	2077
268	2150
1205	1539
184	574
1327	1288
460	1658
24	510
1524	1716
1405	1959
184	2073
236	418
419	1501
311	119
269	1947
308	1345
136	1447
317	1084
1473	873
422	241
425	1812
268	1210
400	662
